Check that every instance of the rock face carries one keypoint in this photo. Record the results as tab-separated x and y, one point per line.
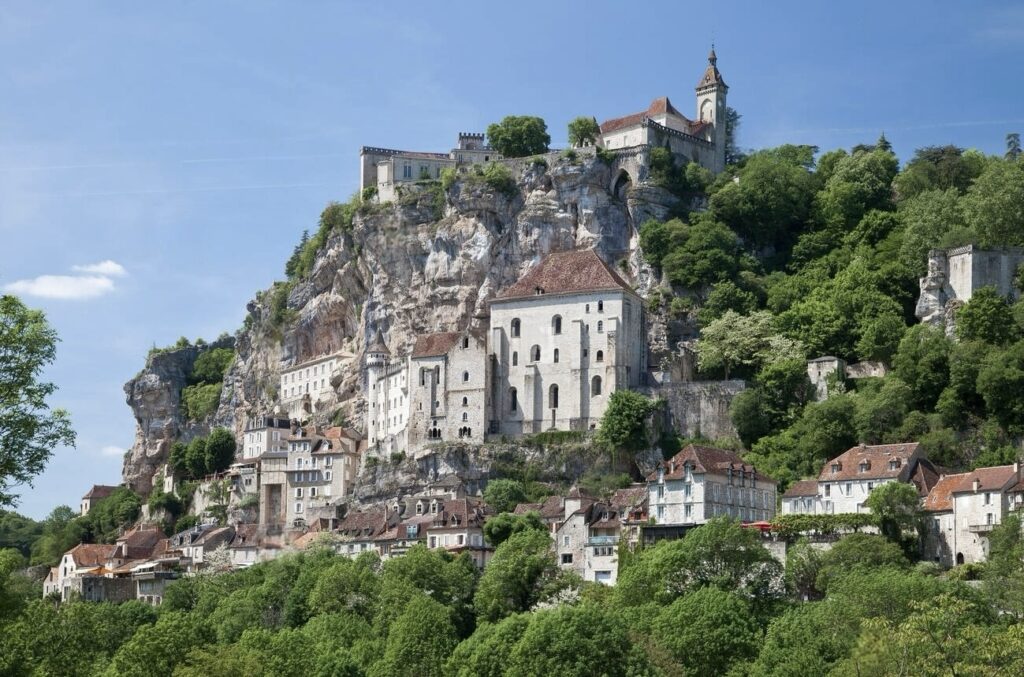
154	396
428	262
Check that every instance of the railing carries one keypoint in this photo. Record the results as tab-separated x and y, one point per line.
602	540
980	528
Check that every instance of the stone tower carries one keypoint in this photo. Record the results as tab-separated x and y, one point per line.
711	92
377	355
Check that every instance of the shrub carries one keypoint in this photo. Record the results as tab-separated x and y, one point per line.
499	177
200	401
569	155
448	177
368	193
211	365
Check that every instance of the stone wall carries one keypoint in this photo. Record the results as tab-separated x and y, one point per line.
955	274
700	408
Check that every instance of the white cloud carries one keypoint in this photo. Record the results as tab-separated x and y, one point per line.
106	268
111	450
68	287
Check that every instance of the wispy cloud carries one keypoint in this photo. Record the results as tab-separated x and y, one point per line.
111	450
106	268
95	279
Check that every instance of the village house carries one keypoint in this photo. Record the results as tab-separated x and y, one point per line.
964	508
457	526
303	384
700	483
319	472
359	530
94	496
845	482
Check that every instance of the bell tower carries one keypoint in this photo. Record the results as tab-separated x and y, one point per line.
711	92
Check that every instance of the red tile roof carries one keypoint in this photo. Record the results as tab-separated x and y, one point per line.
802	488
940	498
705	460
877	458
568	272
433	345
660	106
100	491
364	524
88	555
461	512
995	478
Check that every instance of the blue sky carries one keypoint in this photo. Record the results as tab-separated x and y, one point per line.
166	156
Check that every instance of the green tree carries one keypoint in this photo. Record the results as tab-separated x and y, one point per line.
880	409
1012	146
898	508
624	423
803	562
806	640
658	238
864	551
220	450
195	457
708	630
750	341
515	578
498	529
156	649
1000	383
938	168
211	365
781	389
519	136
504	494
859	183
733	154
708	252
447	579
488	651
987	317
583	131
930	219
922	362
992	205
29	429
419	642
18	532
1004	569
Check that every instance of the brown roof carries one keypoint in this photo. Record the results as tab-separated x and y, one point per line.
802	488
100	491
524	508
139	543
660	106
461	512
925	476
705	460
940	498
432	345
574	271
990	479
245	536
630	497
711	75
91	554
378	345
877	458
368	523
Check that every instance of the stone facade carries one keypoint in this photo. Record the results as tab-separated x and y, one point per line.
955	274
302	385
700	483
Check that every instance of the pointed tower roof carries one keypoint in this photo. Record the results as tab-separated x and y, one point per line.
711	74
378	345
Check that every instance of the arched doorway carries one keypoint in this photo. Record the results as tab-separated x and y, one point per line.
621	184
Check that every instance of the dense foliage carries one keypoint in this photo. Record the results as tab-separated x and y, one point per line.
519	136
712	603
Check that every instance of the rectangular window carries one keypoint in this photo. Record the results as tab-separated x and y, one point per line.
433	541
828	489
688	512
312	492
661	491
566	541
661	513
298	507
988	498
566	558
298	492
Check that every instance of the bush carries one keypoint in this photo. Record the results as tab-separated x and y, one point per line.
498	177
448	177
200	401
519	136
211	365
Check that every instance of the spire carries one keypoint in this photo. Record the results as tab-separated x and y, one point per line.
711	75
378	345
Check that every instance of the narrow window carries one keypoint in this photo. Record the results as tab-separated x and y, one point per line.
513	397
515	358
599	356
553	396
556	324
465	342
600	306
515	328
555	355
600	326
535	354
465	377
465	416
465	401
595	386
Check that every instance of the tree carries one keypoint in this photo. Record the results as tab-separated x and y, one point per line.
987	317
733	154
938	168
806	640
583	131
504	495
29	429
880	409
708	630
865	551
708	252
488	651
498	529
1000	383
519	136
1012	146
929	219
897	507
922	362
195	457
18	532
1004	568
514	578
220	450
720	553
992	205
746	341
623	425
658	238
178	458
859	183
154	650
419	641
211	365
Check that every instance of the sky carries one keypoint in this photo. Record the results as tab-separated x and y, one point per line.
158	161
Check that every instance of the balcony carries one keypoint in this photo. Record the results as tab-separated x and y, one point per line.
980	528
602	540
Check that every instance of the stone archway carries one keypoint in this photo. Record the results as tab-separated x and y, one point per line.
621	184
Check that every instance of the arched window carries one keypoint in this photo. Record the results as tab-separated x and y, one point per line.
595	386
556	324
465	401
515	328
600	326
600	306
587	308
599	356
553	396
423	377
465	377
513	398
515	358
555	355
465	416
535	354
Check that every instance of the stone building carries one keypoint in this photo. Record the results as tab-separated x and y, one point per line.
263	434
562	339
95	495
700	483
302	385
701	140
386	168
955	274
318	474
387	399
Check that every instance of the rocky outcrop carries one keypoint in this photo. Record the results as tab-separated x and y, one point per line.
700	408
428	262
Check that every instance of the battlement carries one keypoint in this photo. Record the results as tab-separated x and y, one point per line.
471	135
374	150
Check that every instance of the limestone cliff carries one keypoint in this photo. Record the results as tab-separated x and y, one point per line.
406	268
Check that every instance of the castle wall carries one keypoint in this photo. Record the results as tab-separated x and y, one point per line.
954	275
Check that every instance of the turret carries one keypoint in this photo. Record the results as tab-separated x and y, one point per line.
711	108
377	353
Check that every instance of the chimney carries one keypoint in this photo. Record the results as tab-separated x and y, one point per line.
976	485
